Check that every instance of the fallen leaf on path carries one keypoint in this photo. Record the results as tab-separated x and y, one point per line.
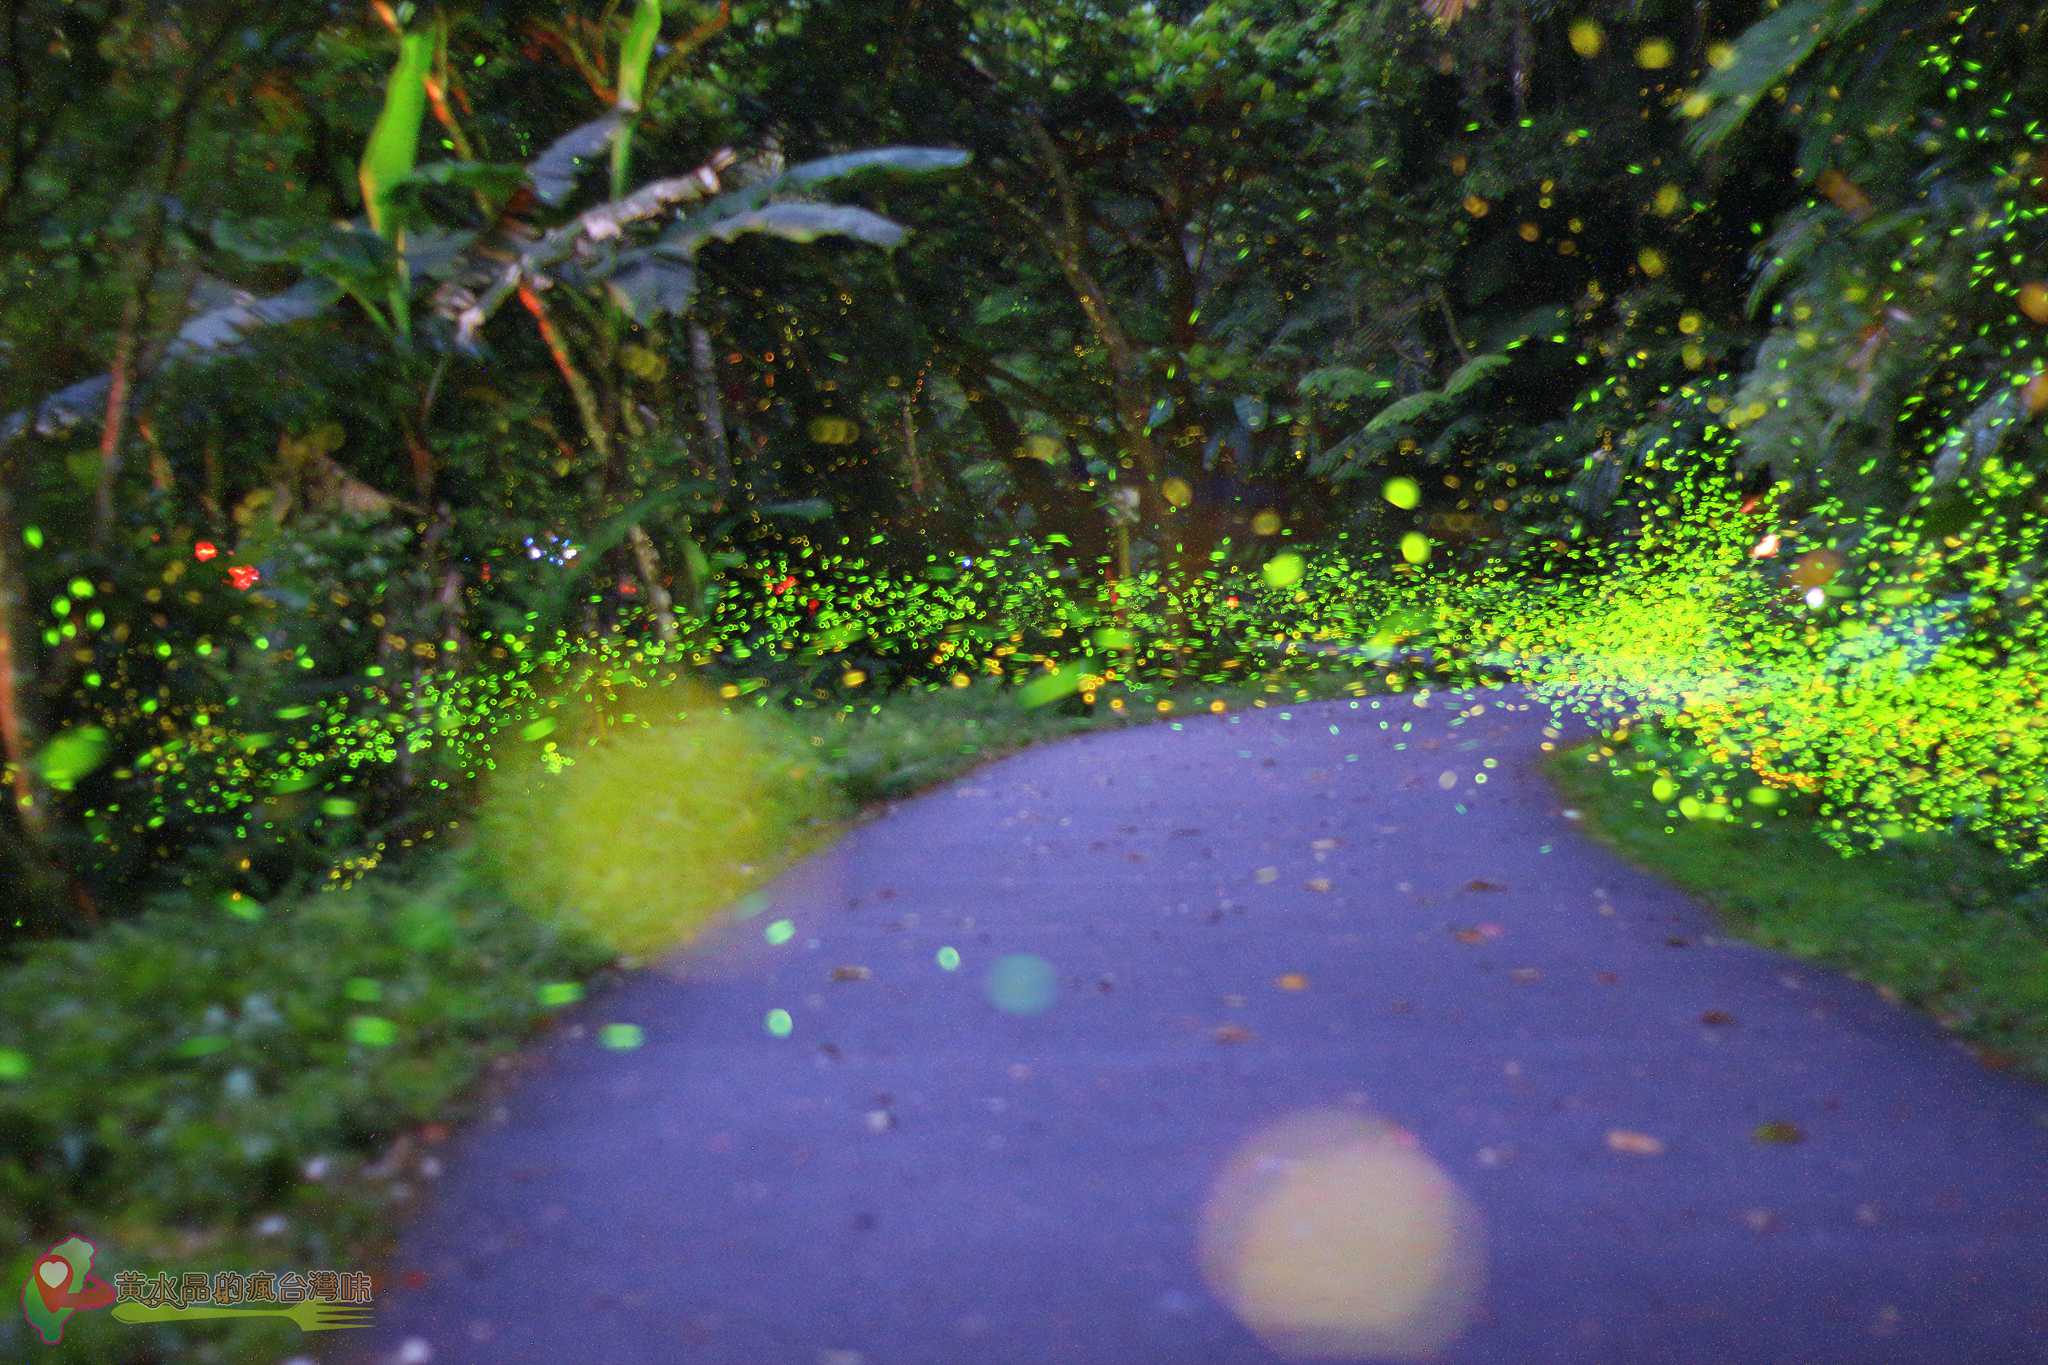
1760	1220
1677	943
1267	874
1325	845
851	973
1778	1132
1606	978
1633	1144
1478	933
1526	974
1317	883
880	1120
1717	1018
1481	884
1233	1033
1292	981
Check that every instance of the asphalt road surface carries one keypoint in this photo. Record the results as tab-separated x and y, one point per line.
1485	1090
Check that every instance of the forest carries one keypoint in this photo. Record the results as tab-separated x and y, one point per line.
485	485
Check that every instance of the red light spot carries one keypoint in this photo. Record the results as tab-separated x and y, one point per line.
204	550
1230	601
784	586
811	605
628	589
244	576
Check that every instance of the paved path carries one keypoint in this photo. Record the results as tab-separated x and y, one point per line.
913	1175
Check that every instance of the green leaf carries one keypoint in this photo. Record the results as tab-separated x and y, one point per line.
555	171
1405	409
1471	372
894	160
792	222
394	140
1340	382
651	283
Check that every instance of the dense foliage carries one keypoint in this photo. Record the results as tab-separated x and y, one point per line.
429	364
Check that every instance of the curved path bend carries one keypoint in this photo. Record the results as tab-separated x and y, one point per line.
1246	917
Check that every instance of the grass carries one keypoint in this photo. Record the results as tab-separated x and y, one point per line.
206	1087
1938	922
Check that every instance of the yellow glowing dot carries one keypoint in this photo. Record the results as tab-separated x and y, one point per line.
1415	547
853	677
1654	55
1587	39
2037	394
1403	492
1529	232
1651	260
1334	1237
1689	323
2034	300
1218	708
1476	206
1720	56
1696	104
1266	523
1668	200
1694	355
1177	492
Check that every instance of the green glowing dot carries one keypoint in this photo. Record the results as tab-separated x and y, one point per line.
363	990
779	1024
1283	570
13	1064
205	1045
555	994
1664	789
371	1031
1403	492
79	588
32	536
1415	547
540	729
779	932
621	1037
949	958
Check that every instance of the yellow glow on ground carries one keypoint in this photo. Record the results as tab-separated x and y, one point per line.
653	824
1333	1237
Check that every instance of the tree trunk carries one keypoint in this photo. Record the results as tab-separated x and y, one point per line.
710	412
135	311
17	733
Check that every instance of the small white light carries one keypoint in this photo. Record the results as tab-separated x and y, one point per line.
1815	597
